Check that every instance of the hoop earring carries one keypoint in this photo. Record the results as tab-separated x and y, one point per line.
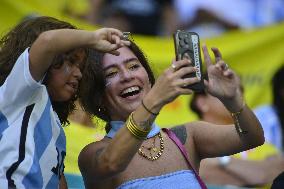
101	109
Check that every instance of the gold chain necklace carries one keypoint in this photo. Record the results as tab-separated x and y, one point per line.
153	149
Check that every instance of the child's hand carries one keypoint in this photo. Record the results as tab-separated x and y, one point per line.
108	40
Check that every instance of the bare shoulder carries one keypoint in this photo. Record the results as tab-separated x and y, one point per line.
180	132
90	152
184	131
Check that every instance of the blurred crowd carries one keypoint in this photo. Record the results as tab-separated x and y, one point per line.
162	17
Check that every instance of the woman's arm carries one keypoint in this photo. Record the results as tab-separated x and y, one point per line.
53	42
101	160
218	140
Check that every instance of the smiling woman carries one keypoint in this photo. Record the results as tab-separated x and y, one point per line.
106	77
136	153
128	83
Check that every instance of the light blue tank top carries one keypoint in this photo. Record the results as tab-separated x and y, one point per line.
182	179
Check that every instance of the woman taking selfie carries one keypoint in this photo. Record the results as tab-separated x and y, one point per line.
136	153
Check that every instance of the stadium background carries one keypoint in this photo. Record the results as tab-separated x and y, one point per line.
254	54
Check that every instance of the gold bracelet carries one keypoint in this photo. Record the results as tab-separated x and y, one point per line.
236	120
135	130
134	124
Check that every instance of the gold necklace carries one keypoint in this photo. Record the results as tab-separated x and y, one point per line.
153	149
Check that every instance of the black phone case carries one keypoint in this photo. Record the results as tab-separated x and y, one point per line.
188	43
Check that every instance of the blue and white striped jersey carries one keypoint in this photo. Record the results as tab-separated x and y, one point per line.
32	141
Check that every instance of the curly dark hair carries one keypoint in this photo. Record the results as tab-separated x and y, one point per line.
22	36
92	88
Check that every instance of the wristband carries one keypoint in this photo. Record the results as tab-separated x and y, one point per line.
148	110
235	116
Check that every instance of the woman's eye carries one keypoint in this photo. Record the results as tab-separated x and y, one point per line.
133	66
111	74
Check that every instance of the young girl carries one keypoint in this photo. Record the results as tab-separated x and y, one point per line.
41	60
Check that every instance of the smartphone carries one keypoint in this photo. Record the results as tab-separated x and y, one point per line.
187	45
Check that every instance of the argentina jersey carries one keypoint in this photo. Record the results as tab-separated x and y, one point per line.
32	141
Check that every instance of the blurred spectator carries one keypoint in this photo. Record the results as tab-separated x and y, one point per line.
256	167
79	116
211	18
272	119
148	17
278	183
272	116
85	131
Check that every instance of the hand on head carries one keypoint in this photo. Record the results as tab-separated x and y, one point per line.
109	40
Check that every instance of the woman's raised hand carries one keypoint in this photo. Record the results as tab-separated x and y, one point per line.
222	82
171	83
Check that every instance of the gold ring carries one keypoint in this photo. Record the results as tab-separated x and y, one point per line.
126	36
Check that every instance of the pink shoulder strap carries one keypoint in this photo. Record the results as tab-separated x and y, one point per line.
175	139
